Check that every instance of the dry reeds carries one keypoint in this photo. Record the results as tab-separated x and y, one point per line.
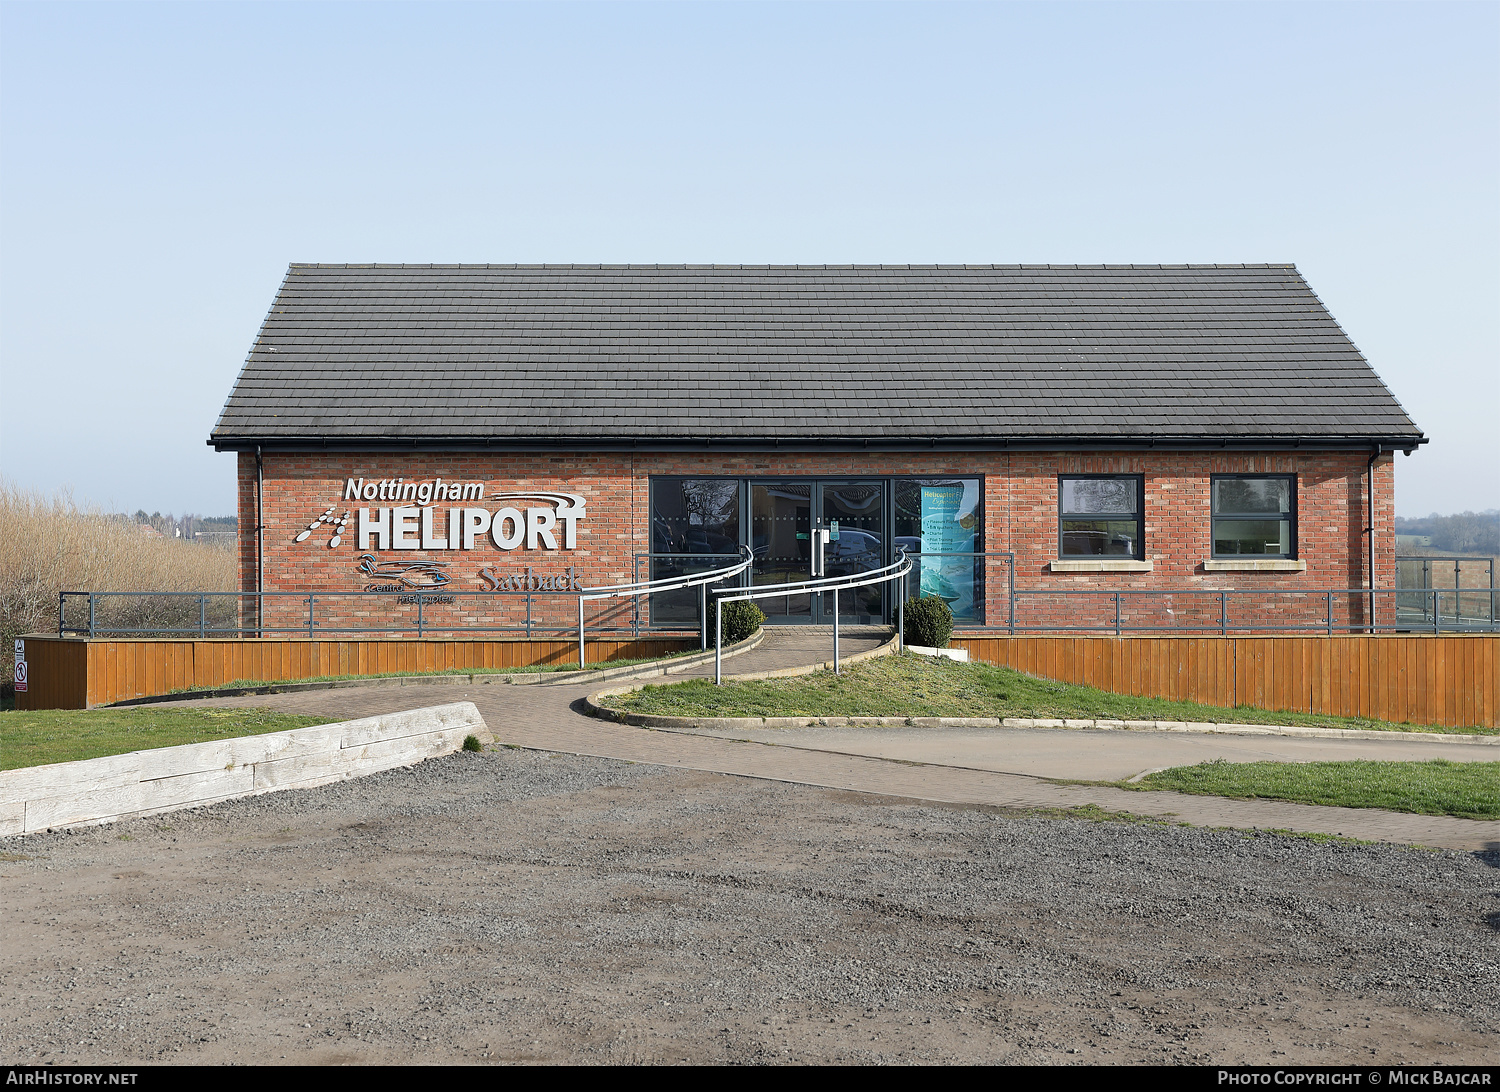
48	545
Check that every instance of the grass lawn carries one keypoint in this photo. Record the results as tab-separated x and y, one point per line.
535	669
1470	790
918	686
63	735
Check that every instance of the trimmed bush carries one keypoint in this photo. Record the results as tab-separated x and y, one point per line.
740	621
929	622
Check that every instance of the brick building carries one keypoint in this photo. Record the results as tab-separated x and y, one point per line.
489	438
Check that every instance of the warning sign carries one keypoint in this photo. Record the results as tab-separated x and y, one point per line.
20	676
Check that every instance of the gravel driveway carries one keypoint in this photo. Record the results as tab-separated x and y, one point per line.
519	906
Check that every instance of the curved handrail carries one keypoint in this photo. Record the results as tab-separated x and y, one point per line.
822	583
651	587
648	587
895	571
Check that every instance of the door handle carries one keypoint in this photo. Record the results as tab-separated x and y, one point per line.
819	539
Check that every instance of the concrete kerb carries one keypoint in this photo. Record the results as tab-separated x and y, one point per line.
138	784
596	708
534	678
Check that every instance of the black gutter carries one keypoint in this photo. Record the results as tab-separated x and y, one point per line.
789	445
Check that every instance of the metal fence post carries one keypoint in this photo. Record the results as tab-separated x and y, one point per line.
1223	616
1117	614
1012	582
60	596
1328	610
202	614
901	620
91	615
702	617
580	633
419	614
310	614
718	642
1435	615
835	631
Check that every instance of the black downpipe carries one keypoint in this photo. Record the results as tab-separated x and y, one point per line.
260	541
1370	529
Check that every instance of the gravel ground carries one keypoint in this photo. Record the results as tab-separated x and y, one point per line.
514	906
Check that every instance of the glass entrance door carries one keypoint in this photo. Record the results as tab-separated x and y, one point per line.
854	514
783	516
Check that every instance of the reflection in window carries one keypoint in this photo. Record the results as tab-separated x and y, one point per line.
1253	515
1101	517
940	520
695	526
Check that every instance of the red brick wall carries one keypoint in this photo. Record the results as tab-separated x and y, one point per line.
1020	515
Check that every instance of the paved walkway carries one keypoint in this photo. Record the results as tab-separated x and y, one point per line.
1001	767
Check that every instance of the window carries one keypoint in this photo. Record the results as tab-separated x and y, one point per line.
1254	515
695	527
1101	516
940	521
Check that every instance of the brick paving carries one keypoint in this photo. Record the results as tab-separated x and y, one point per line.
550	718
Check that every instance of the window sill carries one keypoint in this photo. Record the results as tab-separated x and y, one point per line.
1259	565
1101	565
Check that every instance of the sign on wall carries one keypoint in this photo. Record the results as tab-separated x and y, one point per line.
427	524
432	516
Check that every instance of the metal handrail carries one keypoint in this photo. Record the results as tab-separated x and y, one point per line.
894	571
1207	610
650	587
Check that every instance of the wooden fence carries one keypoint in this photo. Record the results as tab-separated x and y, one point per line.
1449	680
76	673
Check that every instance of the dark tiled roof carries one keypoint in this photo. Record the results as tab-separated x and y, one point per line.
887	355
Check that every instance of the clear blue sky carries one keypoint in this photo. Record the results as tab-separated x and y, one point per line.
160	165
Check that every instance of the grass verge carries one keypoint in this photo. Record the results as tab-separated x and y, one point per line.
917	686
1468	790
36	738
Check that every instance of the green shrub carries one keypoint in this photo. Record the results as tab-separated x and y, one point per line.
929	622
740	621
471	743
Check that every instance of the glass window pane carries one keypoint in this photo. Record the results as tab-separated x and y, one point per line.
695	516
1099	538
690	516
1252	495
1086	496
939	519
1246	536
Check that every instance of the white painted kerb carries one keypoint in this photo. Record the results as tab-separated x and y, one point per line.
130	786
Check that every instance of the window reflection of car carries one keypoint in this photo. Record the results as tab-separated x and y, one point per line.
853	550
702	541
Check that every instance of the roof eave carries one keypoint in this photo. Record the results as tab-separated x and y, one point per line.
1403	442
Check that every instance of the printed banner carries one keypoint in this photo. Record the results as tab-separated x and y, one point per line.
943	532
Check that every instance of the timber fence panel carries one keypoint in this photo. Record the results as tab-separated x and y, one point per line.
1448	680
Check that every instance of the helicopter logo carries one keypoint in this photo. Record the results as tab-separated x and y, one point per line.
417	574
